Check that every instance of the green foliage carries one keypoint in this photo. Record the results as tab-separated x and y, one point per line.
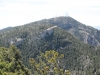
79	58
48	63
10	63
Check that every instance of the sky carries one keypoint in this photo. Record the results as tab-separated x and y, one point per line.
19	12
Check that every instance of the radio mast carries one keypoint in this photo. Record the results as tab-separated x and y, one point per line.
67	14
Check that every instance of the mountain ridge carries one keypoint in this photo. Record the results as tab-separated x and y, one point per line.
97	27
79	30
50	34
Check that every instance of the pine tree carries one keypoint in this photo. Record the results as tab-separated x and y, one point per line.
48	63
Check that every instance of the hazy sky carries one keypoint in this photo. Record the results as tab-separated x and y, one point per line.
19	12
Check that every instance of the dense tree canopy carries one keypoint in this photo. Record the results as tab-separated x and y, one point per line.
10	63
49	63
80	58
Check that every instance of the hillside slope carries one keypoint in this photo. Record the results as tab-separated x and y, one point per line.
85	33
33	38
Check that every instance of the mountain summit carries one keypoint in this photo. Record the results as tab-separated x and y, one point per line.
65	35
83	32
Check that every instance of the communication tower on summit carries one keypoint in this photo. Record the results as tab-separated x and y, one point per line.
66	14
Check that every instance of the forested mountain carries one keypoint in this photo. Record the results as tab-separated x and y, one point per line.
62	34
85	33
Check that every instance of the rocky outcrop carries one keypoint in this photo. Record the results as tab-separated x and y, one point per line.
47	31
83	32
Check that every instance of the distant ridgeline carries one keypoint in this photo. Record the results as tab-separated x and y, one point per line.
79	43
97	27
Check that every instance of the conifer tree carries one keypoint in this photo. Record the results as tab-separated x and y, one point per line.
48	63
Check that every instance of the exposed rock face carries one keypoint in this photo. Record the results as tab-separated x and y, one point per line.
88	35
47	31
85	37
19	41
85	33
93	41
